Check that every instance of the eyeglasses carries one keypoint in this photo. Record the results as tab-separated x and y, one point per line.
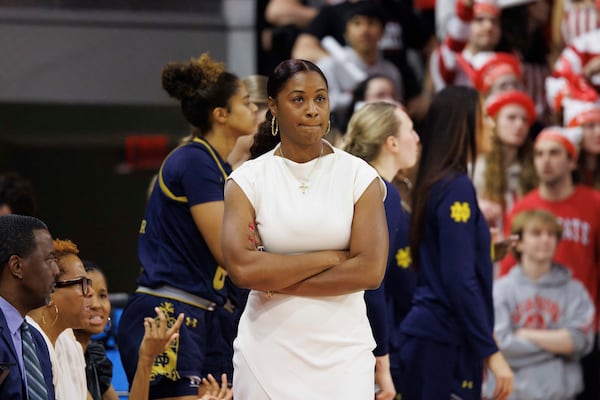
86	284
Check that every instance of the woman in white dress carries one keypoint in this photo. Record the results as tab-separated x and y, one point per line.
305	229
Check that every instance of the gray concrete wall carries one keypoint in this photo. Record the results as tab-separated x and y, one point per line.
110	57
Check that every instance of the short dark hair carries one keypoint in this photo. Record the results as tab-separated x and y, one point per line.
17	193
16	236
367	9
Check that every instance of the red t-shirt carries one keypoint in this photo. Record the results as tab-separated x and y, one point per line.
579	248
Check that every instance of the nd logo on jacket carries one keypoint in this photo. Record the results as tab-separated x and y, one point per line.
460	212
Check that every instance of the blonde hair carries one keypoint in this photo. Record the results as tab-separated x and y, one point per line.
495	184
369	127
257	88
538	217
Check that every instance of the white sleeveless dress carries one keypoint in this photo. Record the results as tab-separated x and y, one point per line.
291	347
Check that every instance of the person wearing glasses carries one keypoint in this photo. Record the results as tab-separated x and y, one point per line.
68	309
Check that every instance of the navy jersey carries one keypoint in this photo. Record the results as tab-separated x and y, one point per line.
171	249
378	311
453	302
400	279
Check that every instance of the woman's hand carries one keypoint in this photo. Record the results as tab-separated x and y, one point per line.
383	378
211	390
254	241
492	211
503	374
157	337
502	247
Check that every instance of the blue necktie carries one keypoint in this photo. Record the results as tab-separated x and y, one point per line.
36	386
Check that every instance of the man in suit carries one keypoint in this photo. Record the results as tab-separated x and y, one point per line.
27	274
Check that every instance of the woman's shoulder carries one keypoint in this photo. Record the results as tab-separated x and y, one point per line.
455	182
254	165
186	156
455	188
349	160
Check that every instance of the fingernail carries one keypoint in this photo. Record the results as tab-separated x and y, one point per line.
250	238
251	226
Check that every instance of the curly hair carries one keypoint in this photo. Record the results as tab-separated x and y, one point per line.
63	248
201	85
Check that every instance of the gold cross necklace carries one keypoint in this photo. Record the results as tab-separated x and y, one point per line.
303	185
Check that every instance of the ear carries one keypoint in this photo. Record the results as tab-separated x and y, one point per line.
573	163
15	266
391	144
518	246
272	106
220	115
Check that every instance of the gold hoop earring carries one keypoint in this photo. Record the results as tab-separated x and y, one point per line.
55	315
328	127
274	127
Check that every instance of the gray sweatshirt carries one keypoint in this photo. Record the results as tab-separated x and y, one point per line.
554	301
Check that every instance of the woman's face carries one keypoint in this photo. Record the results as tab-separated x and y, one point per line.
591	138
380	89
512	125
504	83
408	140
302	108
241	117
73	305
99	303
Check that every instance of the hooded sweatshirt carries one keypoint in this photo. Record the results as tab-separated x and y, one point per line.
554	301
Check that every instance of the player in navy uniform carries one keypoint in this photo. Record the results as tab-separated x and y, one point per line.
382	134
447	336
180	236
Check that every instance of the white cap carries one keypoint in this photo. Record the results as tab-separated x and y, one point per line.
578	112
569	138
486	7
556	89
513	3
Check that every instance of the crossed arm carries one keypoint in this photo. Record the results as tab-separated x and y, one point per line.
319	273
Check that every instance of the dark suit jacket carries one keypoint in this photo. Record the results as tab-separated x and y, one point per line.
13	387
